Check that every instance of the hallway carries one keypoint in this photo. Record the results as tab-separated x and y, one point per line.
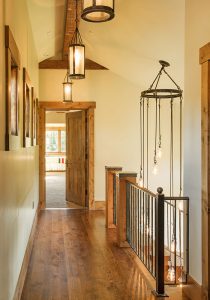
75	257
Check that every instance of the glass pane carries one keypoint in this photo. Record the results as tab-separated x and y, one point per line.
51	141
63	141
79	59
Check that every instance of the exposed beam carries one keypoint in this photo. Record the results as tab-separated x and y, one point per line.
70	24
63	64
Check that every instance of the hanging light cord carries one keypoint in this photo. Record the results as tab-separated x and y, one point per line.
141	144
171	153
147	142
180	187
155	152
159	127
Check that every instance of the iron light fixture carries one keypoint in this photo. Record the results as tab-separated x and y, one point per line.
76	54
67	89
98	10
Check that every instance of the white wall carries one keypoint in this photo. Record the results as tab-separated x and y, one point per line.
19	168
197	35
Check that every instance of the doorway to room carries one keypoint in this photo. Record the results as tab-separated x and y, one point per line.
66	144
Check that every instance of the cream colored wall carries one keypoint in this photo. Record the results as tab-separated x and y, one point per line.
19	168
55	117
197	35
116	123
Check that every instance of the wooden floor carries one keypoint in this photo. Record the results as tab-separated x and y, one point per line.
75	257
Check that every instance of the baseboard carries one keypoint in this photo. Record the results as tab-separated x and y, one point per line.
24	268
192	289
100	205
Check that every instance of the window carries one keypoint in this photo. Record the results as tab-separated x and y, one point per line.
55	140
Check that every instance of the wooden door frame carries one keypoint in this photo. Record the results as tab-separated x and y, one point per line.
205	172
54	106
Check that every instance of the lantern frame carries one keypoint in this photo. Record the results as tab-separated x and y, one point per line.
95	8
65	83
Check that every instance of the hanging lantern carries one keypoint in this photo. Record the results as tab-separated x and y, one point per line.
98	10
67	89
76	54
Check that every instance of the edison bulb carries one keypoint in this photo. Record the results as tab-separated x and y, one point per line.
155	169
159	152
140	182
173	245
171	274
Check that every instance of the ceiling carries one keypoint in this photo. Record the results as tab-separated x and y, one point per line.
142	32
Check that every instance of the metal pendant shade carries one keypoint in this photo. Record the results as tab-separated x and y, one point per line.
97	10
67	89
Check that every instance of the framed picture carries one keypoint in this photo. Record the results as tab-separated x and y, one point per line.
27	110
12	67
35	119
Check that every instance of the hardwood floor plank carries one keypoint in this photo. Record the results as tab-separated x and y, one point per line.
75	257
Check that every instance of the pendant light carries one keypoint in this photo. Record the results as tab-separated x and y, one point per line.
67	89
76	53
98	10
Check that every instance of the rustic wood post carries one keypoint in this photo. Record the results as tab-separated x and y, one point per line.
109	196
122	178
205	170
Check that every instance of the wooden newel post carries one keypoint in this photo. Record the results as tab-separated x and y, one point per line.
122	178
110	195
159	247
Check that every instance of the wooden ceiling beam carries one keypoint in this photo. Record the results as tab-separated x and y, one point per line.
63	64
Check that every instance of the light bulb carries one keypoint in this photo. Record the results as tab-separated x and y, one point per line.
159	154
140	182
77	57
155	169
173	245
171	273
182	278
180	205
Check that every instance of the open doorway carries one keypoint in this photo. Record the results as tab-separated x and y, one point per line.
59	145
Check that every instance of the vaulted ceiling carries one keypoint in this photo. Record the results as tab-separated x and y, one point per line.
142	32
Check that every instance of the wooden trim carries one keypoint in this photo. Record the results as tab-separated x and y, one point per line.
100	205
42	157
205	131
12	46
53	105
204	53
90	168
63	65
192	289
26	260
46	106
122	178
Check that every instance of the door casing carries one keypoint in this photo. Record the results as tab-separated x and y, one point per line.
60	106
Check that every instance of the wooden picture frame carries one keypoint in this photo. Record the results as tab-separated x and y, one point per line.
27	110
35	119
12	67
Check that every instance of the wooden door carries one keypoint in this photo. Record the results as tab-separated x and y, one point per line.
75	157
